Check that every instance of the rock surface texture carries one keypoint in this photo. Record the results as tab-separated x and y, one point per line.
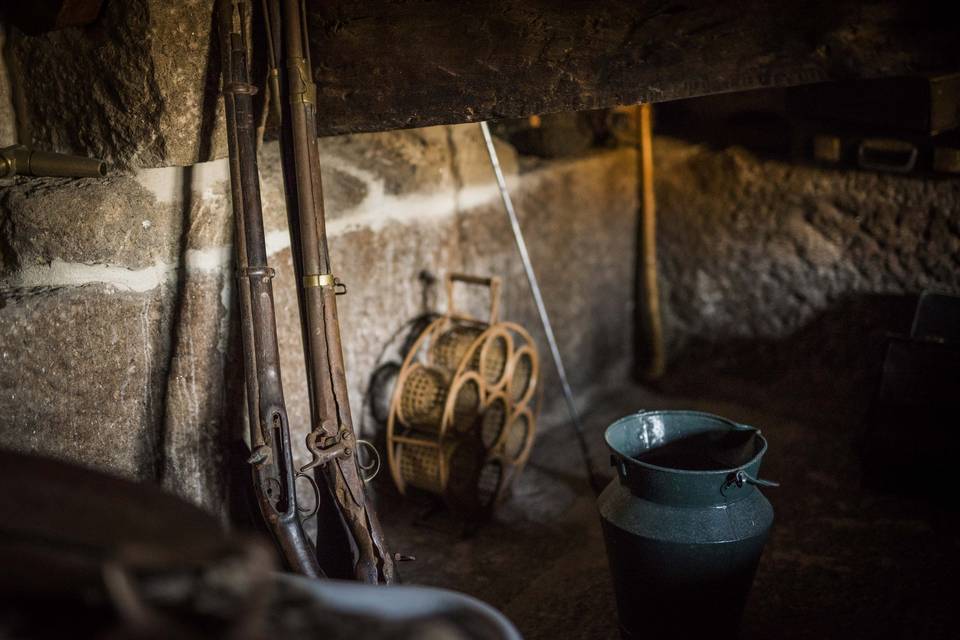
148	95
769	265
119	343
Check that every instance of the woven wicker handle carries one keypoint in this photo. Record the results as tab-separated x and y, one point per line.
493	284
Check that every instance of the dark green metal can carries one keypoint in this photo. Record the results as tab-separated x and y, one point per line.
684	522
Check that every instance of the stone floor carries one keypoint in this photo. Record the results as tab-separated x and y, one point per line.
842	560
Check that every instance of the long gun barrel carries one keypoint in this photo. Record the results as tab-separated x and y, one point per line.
347	526
332	440
274	476
18	160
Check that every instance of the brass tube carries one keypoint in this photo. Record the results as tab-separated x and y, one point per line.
19	160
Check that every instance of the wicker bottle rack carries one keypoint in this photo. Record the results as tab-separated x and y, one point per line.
463	412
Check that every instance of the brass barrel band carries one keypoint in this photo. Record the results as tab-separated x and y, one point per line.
305	90
319	280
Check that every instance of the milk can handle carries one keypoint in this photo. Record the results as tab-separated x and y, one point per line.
742	477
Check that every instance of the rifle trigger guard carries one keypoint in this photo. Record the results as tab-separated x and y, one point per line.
306	514
375	464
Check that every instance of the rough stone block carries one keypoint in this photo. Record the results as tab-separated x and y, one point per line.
203	405
81	372
135	88
757	249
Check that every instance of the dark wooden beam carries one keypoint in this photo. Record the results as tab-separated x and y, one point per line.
396	64
139	86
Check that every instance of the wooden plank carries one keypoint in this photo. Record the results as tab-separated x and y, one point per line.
397	64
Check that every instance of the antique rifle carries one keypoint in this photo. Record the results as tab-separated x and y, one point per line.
332	441
348	528
274	478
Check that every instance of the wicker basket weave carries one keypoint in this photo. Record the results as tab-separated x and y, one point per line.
463	414
423	393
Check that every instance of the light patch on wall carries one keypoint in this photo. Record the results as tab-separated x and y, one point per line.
166	183
71	274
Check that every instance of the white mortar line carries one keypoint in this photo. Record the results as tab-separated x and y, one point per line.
74	274
377	211
166	183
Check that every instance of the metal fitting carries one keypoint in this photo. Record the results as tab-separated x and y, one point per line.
23	161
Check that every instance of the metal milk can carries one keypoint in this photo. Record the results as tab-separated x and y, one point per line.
684	522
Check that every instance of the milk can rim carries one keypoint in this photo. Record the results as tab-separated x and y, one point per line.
692	472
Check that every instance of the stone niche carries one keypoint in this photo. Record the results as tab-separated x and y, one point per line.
118	312
118	331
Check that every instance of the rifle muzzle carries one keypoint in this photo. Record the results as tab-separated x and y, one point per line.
23	161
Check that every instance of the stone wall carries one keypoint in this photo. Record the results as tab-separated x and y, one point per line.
773	267
149	90
119	339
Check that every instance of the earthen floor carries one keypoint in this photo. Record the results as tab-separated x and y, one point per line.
842	561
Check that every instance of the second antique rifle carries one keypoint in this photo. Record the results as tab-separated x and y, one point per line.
350	541
332	441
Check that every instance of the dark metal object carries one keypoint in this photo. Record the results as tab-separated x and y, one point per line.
878	150
899	125
19	160
274	477
907	435
925	105
884	154
684	522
